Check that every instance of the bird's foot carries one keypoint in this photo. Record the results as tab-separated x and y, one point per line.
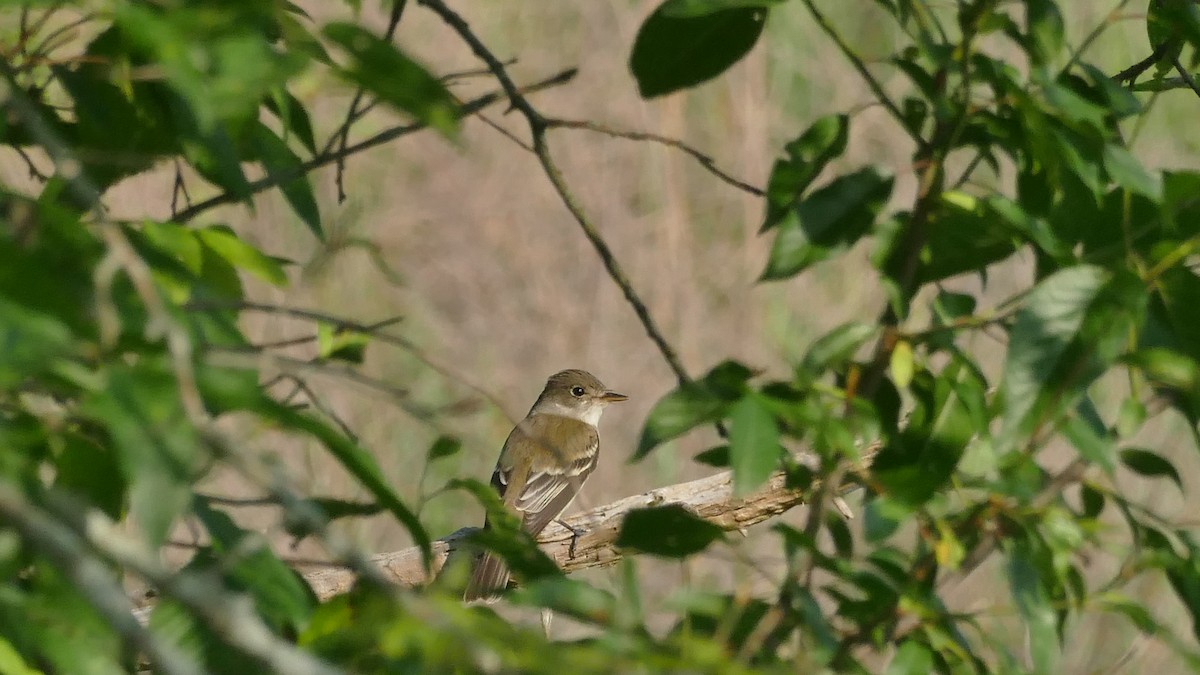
575	534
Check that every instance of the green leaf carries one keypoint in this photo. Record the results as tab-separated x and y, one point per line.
1034	606
807	156
1072	326
716	457
687	407
1045	30
157	447
1167	367
834	348
278	591
1088	433
284	166
32	342
964	235
1129	173
754	449
690	8
669	531
1179	292
382	69
830	220
294	117
341	343
90	469
11	661
672	53
444	446
947	414
358	462
1150	464
224	242
912	658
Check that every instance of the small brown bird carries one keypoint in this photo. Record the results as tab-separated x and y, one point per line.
545	461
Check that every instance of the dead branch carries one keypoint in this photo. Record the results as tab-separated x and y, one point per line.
710	498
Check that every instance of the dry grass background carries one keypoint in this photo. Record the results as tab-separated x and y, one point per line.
498	284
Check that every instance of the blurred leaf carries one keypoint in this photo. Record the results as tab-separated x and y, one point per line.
157	447
357	462
945	417
382	69
293	116
444	446
834	348
1073	324
279	161
570	597
1129	173
901	364
912	658
45	616
225	243
1046	30
754	448
675	52
340	343
807	156
1183	571
1035	609
11	662
1179	292
33	343
278	591
1150	464
683	9
705	400
670	531
90	469
717	457
1090	436
828	221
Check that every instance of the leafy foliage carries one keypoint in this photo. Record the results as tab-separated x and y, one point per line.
120	382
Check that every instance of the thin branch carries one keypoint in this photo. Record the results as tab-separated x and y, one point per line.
325	159
537	127
343	133
861	67
704	160
375	330
1132	72
587	540
1186	76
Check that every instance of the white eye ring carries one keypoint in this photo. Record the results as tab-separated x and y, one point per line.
577	391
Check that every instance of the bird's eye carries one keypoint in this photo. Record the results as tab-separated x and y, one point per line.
577	391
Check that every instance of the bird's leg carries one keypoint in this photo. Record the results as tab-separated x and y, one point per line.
575	534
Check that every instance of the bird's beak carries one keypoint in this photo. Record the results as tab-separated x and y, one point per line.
613	397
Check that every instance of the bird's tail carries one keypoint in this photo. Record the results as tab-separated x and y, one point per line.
489	577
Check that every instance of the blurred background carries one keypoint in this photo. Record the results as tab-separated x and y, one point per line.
498	287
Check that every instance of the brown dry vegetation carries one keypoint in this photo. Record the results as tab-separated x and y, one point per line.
497	283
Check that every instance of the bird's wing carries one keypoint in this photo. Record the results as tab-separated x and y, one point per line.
554	474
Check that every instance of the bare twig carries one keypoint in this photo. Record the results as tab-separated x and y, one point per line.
343	133
537	126
1132	72
375	330
873	84
1186	76
325	159
704	160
